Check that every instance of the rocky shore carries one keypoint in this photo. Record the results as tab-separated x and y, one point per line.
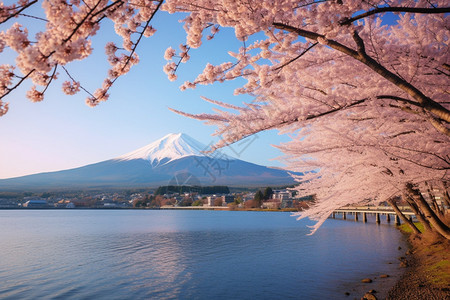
427	271
427	275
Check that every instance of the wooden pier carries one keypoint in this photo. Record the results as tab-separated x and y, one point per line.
378	211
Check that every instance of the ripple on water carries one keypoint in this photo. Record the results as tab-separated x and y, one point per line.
185	255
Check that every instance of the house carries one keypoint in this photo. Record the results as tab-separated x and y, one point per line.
282	195
271	204
36	203
228	198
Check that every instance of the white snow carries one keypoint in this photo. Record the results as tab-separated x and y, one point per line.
171	147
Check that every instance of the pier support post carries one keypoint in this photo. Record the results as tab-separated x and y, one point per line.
344	215
388	218
364	217
377	218
397	220
333	215
356	216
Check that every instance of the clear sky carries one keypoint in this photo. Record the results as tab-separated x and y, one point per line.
62	132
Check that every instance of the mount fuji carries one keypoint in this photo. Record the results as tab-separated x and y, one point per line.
176	159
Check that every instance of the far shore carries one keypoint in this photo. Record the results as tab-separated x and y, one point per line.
221	208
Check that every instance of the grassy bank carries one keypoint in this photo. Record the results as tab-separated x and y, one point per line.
427	263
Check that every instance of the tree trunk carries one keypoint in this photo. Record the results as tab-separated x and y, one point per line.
438	225
417	212
446	197
437	209
402	216
435	206
446	201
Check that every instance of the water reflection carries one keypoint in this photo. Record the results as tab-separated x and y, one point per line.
185	255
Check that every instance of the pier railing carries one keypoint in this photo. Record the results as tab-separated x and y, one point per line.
363	211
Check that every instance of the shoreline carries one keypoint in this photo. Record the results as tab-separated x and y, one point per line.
379	285
423	272
427	273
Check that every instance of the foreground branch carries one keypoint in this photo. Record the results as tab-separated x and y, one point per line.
426	103
378	10
402	216
440	227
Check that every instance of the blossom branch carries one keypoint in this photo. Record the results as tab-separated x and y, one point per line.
297	57
50	79
73	80
427	103
17	12
9	90
418	10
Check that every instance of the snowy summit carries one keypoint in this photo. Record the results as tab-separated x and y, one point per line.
171	147
163	162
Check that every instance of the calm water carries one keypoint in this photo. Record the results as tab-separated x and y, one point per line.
148	254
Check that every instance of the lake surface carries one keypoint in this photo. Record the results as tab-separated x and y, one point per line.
164	254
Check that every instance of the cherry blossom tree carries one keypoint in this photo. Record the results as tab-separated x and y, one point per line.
368	100
359	157
362	86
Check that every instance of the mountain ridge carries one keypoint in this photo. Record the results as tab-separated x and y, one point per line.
168	148
157	163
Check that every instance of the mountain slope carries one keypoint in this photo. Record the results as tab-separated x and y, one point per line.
158	163
171	147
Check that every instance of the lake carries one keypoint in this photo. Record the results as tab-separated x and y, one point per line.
167	254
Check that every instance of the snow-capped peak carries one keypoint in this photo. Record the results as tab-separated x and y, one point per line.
172	146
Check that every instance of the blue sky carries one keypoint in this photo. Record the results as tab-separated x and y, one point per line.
62	132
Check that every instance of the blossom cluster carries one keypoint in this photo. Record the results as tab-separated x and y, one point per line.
170	55
69	27
71	87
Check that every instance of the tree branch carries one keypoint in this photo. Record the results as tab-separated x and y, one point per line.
297	57
17	84
425	102
18	12
418	10
398	99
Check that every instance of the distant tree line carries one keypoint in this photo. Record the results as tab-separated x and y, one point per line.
217	189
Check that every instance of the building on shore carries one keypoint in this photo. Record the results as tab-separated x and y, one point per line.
36	203
228	198
282	195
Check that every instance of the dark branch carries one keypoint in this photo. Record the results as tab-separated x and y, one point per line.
81	22
426	103
73	79
33	17
18	12
51	78
418	10
17	84
398	99
297	57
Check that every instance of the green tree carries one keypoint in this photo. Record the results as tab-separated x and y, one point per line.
268	192
259	197
197	203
